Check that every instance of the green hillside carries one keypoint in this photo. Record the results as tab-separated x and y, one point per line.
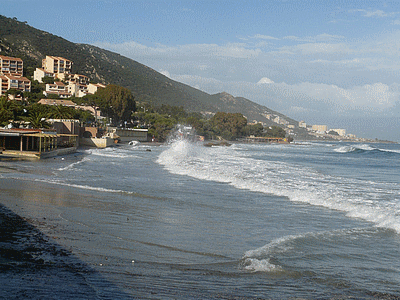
18	39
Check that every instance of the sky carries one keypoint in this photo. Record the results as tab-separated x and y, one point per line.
324	62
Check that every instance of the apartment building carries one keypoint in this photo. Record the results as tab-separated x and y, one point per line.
11	66
8	82
56	65
57	88
93	87
319	128
11	75
78	90
341	132
40	73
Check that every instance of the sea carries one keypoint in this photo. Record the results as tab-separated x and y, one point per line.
307	220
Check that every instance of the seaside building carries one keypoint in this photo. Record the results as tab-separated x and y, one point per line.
319	128
93	87
302	124
20	83
40	73
35	143
57	88
341	132
11	75
60	68
11	66
56	65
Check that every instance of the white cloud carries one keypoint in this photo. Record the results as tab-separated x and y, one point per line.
307	98
235	50
315	48
318	38
265	80
264	37
374	13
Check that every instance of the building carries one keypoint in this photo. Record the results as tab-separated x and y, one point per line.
11	75
341	132
20	83
56	65
57	102
77	89
40	73
57	88
60	68
93	87
35	143
11	66
302	124
129	134
319	128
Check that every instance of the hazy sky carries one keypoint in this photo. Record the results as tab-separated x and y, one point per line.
324	62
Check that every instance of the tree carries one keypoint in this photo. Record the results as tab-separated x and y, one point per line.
61	112
6	113
275	131
229	126
37	119
256	130
48	79
116	102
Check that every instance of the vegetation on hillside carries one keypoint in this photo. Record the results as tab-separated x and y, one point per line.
18	39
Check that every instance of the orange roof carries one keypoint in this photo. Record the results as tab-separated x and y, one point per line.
10	58
20	78
58	58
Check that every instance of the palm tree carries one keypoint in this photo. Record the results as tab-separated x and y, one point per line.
37	119
62	112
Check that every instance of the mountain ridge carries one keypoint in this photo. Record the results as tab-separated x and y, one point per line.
19	39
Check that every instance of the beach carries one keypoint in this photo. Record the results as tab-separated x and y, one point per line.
183	221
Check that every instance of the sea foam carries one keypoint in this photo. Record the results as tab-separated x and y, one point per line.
372	201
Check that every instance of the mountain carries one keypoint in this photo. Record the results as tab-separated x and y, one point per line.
18	39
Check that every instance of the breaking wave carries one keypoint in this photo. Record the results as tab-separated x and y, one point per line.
371	201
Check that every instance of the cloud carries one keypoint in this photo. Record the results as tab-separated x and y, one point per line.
265	80
374	13
318	38
315	48
263	37
304	99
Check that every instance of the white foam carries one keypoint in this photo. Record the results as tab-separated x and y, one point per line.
371	201
72	165
260	265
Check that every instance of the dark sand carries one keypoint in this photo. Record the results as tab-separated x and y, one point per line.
33	267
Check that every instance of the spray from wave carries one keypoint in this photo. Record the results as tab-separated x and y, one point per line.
372	201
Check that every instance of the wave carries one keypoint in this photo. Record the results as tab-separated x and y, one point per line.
371	201
363	148
112	152
79	186
72	165
264	259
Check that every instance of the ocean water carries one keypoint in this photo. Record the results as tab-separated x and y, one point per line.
249	221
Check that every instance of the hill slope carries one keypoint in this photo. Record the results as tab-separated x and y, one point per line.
21	40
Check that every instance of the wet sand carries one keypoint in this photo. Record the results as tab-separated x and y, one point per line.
34	267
